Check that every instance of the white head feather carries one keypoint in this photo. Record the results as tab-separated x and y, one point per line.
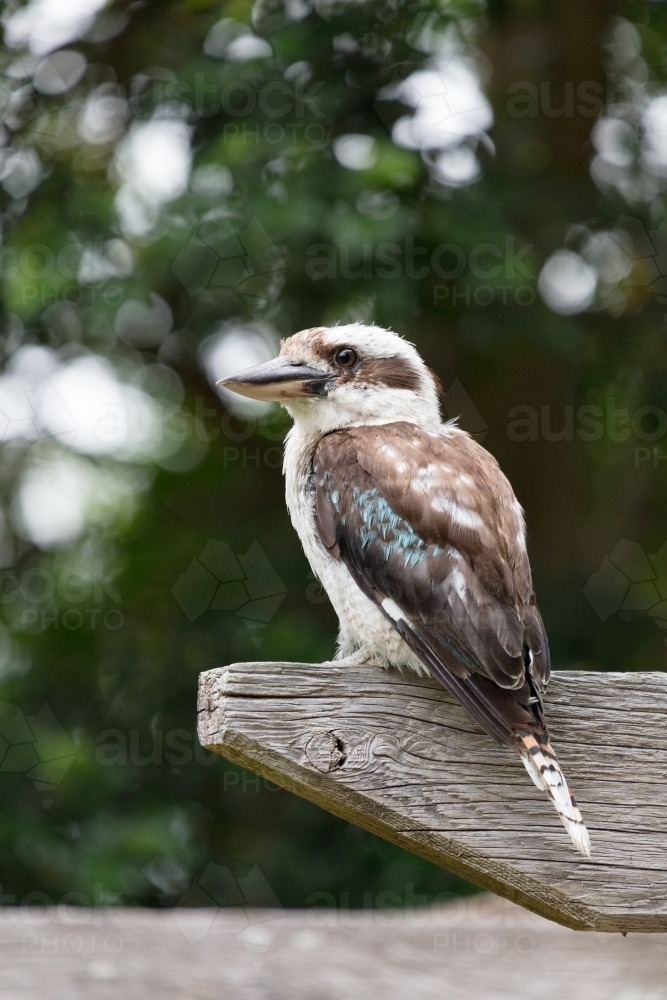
355	400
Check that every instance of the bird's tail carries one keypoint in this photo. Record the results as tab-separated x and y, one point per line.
542	765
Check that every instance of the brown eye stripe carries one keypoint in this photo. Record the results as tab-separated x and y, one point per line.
394	373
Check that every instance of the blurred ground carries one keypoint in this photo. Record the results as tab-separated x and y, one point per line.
480	948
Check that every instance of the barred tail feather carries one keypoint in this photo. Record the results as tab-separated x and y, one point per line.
542	765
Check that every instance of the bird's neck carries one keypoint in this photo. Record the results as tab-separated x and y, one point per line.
350	408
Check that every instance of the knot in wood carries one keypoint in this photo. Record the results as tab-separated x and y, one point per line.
325	752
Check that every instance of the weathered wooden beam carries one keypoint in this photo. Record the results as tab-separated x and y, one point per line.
396	755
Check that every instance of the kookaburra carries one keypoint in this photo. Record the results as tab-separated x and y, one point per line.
415	534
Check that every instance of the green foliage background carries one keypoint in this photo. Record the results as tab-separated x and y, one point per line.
136	825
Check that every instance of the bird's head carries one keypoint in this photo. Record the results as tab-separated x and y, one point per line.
342	376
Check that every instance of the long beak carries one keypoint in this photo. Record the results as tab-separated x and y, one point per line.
278	379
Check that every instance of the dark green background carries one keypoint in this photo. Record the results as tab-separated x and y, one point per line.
141	832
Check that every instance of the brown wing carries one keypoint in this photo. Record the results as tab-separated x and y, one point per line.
431	531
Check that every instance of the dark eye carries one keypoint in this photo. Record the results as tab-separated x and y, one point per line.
346	357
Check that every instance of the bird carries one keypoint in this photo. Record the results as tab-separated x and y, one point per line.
415	534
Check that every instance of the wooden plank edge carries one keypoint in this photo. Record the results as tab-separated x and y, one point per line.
448	853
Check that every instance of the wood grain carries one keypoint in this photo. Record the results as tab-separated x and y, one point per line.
396	755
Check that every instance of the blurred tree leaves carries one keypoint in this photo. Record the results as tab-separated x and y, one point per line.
173	175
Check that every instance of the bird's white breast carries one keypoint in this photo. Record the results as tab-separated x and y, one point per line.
362	624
